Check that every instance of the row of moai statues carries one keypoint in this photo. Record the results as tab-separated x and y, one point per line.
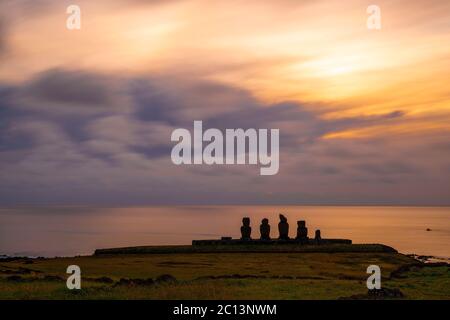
283	230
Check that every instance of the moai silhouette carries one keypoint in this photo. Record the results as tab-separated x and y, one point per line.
302	231
265	229
283	228
317	237
246	230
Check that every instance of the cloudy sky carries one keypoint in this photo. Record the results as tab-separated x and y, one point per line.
86	115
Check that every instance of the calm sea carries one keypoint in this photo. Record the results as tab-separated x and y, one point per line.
74	230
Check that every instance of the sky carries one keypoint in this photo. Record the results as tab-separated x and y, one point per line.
86	115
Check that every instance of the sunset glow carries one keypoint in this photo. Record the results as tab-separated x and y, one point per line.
356	84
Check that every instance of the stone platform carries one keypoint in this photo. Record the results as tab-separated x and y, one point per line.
230	241
217	247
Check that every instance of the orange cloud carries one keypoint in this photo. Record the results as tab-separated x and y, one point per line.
319	53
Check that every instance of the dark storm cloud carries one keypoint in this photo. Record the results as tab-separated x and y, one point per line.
387	168
75	88
77	93
222	107
155	104
218	106
180	101
77	100
99	109
72	136
68	99
10	138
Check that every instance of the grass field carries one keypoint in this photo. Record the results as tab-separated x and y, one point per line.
220	276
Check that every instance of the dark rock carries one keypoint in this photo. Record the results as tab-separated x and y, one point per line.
165	278
135	282
14	278
102	280
400	272
424	258
123	282
206	278
53	278
265	229
143	282
8	272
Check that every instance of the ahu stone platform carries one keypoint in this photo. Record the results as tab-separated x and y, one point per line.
283	243
282	238
229	241
247	247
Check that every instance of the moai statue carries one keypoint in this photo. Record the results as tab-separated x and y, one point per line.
317	237
265	229
283	228
246	230
302	231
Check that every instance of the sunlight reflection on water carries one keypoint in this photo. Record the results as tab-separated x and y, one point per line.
50	231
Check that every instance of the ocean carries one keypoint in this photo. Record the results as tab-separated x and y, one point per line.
79	230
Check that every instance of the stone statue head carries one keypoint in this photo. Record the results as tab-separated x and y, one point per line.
265	221
283	218
301	223
246	221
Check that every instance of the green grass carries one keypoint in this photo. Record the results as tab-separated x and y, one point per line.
209	276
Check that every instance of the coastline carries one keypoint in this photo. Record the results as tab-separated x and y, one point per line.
225	275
